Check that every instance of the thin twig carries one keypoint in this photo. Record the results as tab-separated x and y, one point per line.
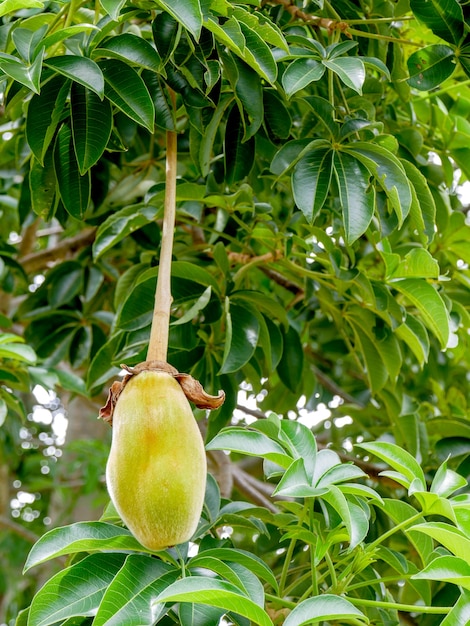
39	260
158	343
18	529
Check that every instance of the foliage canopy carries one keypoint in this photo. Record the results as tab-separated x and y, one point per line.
320	262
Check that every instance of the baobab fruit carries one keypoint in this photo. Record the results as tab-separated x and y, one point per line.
156	470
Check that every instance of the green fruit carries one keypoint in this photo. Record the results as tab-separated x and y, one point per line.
156	471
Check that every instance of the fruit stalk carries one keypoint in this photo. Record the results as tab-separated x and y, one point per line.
158	342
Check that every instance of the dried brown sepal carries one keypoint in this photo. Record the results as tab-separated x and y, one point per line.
195	393
192	388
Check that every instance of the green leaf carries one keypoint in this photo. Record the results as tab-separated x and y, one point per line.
26	41
44	114
350	70
76	590
311	180
301	73
130	49
128	598
120	225
11	6
18	352
460	612
67	282
423	207
28	75
207	142
430	66
250	443
258	55
248	89
3	411
113	7
81	537
376	371
417	263
241	338
388	171
446	481
444	17
356	195
42	184
249	560
92	122
325	607
239	154
449	536
429	303
414	334
186	12
213	592
292	360
74	189
399	459
126	90
79	69
199	305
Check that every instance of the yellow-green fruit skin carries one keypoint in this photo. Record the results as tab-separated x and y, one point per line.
156	470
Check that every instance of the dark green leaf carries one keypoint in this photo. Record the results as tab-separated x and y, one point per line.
130	49
292	361
239	155
311	180
92	122
74	188
44	114
301	73
79	69
126	90
444	17
356	195
241	338
350	70
187	12
430	66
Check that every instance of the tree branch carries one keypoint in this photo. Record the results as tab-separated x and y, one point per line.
321	22
18	529
36	261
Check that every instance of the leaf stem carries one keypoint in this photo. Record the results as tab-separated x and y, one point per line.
393	530
158	343
409	608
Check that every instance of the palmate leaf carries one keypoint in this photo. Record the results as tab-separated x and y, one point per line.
401	460
92	123
356	195
430	66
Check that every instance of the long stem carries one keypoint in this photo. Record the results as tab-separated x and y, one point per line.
158	343
409	608
393	530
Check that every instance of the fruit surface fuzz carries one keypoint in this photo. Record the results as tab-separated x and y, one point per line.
156	470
